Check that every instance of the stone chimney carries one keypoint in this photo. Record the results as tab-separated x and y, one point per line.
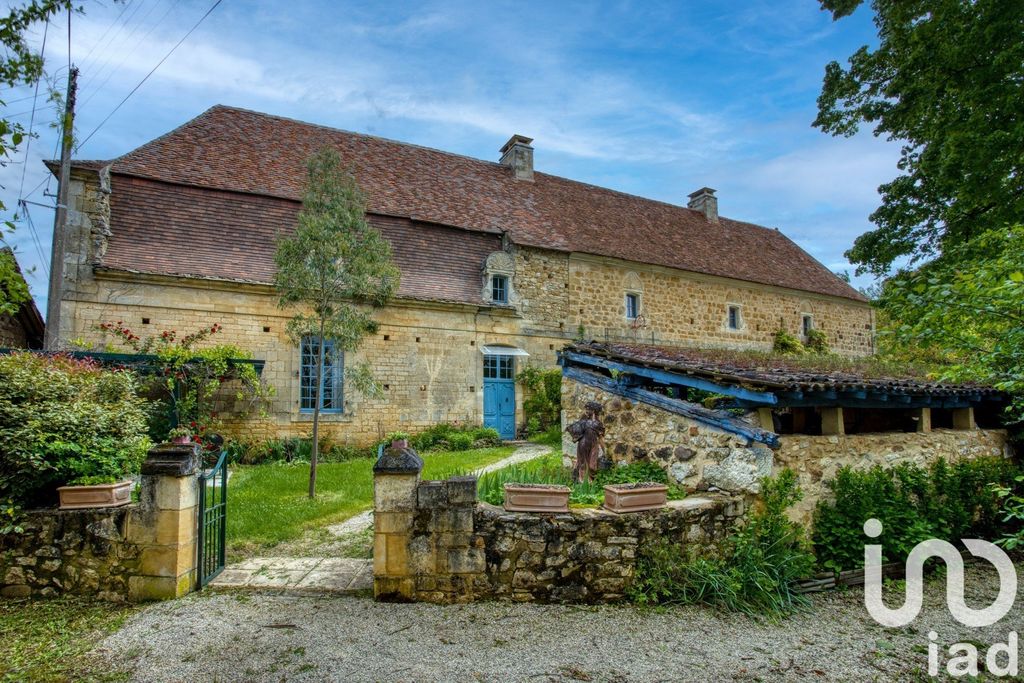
705	201
518	155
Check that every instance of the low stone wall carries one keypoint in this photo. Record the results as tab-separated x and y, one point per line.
588	556
142	551
702	458
434	543
80	552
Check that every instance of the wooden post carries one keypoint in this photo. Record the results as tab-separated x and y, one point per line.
765	417
963	418
832	421
924	420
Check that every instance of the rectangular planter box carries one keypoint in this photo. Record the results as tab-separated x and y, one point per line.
521	498
95	496
630	498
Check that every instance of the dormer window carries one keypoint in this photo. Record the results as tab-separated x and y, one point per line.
632	306
499	289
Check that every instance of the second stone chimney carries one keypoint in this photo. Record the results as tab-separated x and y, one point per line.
705	201
518	155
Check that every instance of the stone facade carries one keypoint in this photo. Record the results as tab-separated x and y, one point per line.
427	353
702	457
434	543
143	551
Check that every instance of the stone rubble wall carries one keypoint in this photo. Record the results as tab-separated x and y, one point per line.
701	457
434	542
76	552
588	555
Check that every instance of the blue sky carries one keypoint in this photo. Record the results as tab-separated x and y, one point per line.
656	99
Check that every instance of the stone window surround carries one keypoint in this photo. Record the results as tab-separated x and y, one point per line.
499	263
806	324
298	416
741	324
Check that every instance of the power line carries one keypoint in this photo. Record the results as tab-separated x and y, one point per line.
152	71
28	148
112	24
104	62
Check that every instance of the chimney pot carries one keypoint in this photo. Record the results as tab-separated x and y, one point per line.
705	201
517	154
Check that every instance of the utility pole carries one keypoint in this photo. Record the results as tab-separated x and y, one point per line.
51	340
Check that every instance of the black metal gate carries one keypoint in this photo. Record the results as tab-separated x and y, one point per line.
213	514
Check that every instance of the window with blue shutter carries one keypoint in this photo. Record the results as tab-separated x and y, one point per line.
332	397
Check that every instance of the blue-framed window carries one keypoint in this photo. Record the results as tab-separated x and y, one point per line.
333	395
499	289
734	318
499	367
632	306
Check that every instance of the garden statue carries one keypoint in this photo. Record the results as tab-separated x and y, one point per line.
588	435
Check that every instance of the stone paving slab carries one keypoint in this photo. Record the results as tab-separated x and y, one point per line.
306	574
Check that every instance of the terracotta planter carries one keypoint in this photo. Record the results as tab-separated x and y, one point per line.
635	497
182	440
536	498
95	495
399	444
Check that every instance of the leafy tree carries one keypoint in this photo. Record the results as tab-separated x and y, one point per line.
13	290
966	309
334	269
18	64
947	79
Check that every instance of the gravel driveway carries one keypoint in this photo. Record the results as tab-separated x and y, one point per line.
265	637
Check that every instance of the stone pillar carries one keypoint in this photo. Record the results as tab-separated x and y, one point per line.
963	418
164	526
764	416
924	420
832	420
396	475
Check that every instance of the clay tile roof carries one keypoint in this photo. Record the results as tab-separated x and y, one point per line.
247	152
761	371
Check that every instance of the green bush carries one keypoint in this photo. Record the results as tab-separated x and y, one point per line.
913	503
786	344
632	473
292	449
66	421
542	404
1012	513
460	441
753	571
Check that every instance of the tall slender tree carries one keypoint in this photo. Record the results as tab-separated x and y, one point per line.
333	270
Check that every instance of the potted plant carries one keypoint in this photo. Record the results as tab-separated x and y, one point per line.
180	435
95	492
644	495
399	440
536	498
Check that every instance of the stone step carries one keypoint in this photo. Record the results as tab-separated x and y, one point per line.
298	574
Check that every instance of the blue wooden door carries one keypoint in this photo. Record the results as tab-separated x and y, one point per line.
500	395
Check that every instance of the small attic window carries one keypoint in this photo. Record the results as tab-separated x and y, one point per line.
499	289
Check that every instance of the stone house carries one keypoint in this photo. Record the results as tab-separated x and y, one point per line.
501	265
24	329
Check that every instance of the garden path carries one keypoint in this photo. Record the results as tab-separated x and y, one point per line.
332	574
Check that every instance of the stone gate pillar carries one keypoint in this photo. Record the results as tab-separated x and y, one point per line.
165	525
396	474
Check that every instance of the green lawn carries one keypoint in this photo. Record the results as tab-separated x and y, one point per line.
267	504
46	640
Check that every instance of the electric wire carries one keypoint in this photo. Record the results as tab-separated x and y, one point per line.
151	72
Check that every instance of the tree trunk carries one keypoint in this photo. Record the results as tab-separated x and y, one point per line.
315	450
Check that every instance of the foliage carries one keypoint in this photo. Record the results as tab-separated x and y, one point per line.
188	379
944	501
967	309
332	270
444	436
947	79
817	342
542	404
786	344
63	421
397	436
44	641
269	503
754	571
13	290
552	437
549	470
1012	498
